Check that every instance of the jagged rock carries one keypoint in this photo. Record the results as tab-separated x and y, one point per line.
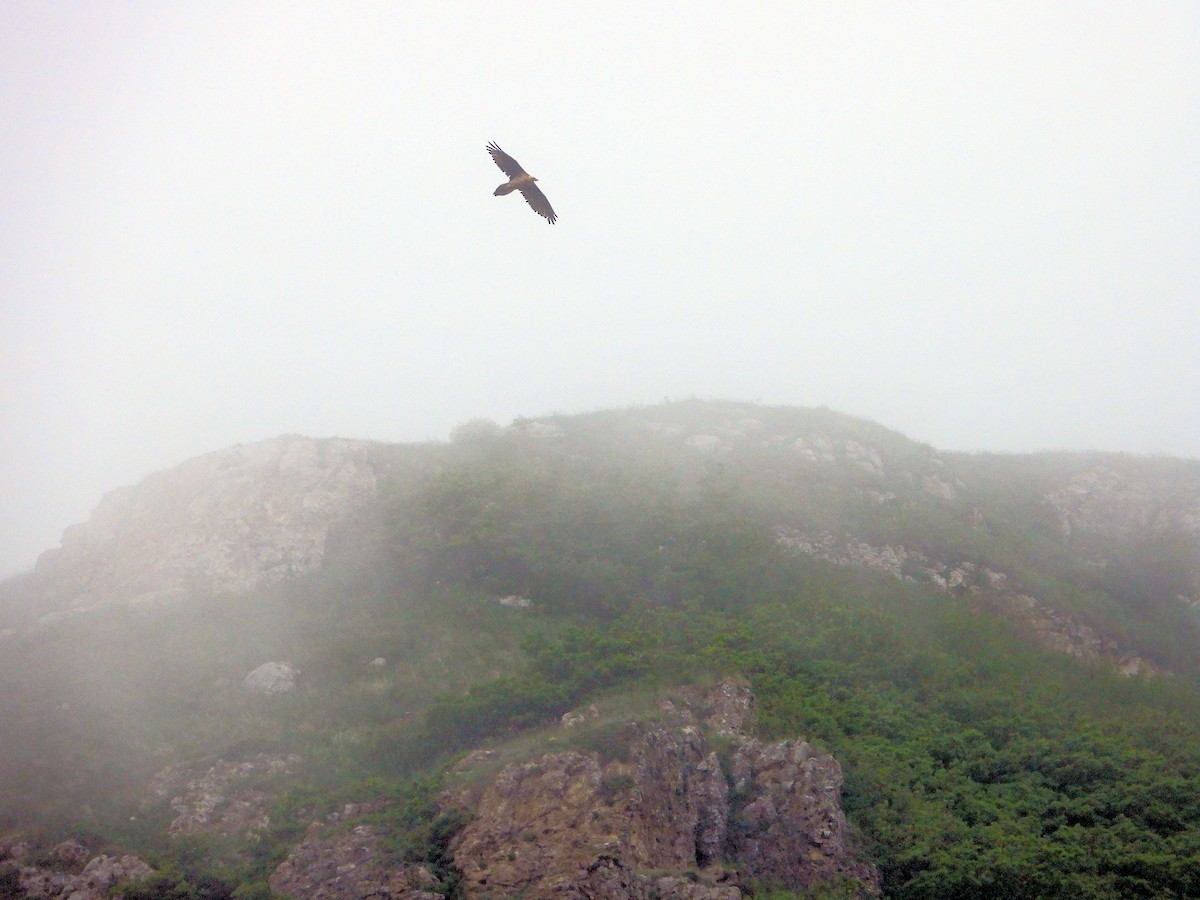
104	871
816	448
92	883
1103	500
504	849
223	522
730	704
229	798
608	878
69	854
848	551
793	830
15	847
572	824
866	458
574	717
272	678
985	587
348	865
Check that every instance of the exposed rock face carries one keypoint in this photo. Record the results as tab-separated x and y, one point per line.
272	678
986	588
224	522
793	830
230	798
660	823
73	878
729	706
1102	500
1118	502
512	601
348	865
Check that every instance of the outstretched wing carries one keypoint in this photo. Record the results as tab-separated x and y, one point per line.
537	201
507	164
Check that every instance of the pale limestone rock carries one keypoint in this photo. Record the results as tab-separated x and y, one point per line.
272	678
512	601
94	882
866	458
574	717
230	798
1106	501
227	521
815	448
730	704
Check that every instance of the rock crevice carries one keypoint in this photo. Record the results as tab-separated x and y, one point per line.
676	818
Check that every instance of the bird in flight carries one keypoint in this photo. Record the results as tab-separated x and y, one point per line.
520	180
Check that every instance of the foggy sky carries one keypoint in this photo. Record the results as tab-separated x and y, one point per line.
978	224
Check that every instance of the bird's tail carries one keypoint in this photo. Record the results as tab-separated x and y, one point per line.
505	188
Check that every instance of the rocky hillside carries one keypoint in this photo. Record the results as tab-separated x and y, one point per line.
68	869
226	522
680	803
234	520
344	668
666	816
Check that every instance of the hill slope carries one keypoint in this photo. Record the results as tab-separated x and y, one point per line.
1000	651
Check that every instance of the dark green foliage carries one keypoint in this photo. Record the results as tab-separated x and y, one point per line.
506	704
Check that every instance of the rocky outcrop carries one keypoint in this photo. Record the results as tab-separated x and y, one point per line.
664	814
984	587
1061	633
331	864
1122	505
847	551
661	822
229	798
223	522
271	678
792	830
1104	500
70	871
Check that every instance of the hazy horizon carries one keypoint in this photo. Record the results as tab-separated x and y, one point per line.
973	224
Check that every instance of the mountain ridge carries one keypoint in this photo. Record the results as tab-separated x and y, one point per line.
241	517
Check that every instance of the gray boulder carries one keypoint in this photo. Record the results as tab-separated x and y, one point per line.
272	678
